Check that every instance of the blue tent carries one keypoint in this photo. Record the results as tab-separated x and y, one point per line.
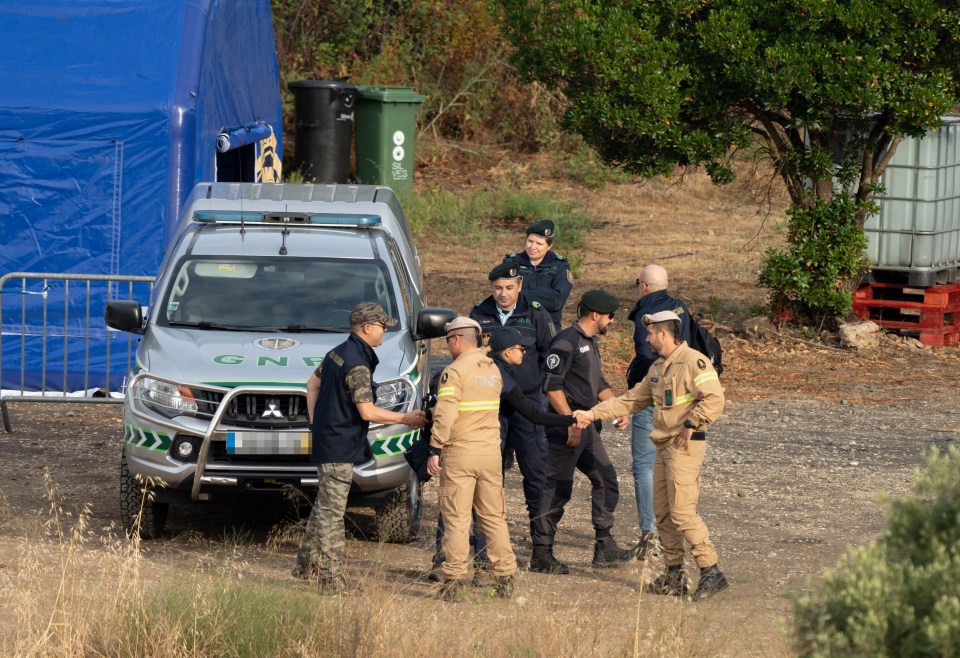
110	112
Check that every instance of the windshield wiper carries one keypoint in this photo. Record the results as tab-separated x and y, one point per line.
297	328
205	324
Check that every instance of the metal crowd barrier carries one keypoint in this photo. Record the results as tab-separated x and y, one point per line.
91	319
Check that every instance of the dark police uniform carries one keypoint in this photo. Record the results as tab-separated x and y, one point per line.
549	283
339	441
573	366
521	436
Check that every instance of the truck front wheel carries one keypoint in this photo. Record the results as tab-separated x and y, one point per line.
398	522
138	513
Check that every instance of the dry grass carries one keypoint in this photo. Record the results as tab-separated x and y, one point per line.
73	594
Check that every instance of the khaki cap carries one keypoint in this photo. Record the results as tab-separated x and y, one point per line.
461	322
660	316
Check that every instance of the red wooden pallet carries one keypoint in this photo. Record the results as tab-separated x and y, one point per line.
932	312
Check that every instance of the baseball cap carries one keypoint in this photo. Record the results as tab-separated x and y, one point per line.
544	227
599	301
504	338
370	313
659	316
504	271
461	322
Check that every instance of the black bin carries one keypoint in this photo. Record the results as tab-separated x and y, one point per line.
324	128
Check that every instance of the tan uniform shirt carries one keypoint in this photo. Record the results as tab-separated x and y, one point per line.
683	386
466	417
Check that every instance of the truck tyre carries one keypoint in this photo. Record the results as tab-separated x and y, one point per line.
137	515
398	522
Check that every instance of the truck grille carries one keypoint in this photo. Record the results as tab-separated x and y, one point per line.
258	411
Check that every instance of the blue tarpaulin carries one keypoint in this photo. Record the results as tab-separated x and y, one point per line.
110	112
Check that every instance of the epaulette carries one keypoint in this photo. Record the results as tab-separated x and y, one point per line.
561	257
478	303
536	304
511	254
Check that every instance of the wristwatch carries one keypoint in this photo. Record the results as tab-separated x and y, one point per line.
689	425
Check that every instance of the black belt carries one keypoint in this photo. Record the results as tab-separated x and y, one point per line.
699	436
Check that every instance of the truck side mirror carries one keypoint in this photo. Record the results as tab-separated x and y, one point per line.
432	322
124	315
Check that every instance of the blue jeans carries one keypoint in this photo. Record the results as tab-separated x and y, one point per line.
644	456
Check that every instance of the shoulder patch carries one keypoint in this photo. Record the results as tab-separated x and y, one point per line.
701	364
536	304
678	310
552	361
443	378
569	276
511	254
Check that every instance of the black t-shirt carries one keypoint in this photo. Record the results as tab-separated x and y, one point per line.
346	378
573	366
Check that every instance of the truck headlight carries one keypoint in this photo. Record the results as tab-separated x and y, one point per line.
396	395
166	399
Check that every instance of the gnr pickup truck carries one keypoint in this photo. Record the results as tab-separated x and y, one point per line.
256	287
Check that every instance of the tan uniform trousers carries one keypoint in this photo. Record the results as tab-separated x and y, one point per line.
676	491
474	482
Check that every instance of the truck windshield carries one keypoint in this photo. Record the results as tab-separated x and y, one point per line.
274	293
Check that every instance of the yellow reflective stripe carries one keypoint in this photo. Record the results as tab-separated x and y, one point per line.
445	390
705	377
480	405
684	399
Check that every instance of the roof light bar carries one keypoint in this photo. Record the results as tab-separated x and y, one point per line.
316	219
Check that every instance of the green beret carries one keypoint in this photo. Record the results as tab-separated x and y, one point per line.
504	271
544	228
599	301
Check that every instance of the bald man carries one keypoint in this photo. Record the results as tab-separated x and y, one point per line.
654	297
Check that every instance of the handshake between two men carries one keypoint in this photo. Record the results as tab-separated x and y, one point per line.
586	416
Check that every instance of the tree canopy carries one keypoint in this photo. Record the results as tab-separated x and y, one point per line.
828	86
658	83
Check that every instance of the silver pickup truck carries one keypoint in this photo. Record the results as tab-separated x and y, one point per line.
256	287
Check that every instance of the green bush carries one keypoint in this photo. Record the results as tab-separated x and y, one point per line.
813	276
899	596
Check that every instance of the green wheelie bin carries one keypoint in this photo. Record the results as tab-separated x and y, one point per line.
386	123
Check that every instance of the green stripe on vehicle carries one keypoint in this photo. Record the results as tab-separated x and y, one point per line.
394	445
146	439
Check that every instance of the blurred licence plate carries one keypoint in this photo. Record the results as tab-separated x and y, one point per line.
268	443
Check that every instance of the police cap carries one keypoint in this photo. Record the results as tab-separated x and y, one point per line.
504	271
599	301
370	313
544	228
659	316
504	338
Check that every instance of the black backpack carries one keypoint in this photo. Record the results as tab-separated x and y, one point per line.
706	343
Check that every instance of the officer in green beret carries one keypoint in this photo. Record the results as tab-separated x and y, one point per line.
546	276
574	381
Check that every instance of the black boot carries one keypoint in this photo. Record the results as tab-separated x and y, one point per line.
712	581
543	561
606	553
671	583
504	586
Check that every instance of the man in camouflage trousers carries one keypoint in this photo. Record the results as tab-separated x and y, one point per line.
341	398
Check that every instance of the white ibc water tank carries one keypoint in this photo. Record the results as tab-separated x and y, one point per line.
918	227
